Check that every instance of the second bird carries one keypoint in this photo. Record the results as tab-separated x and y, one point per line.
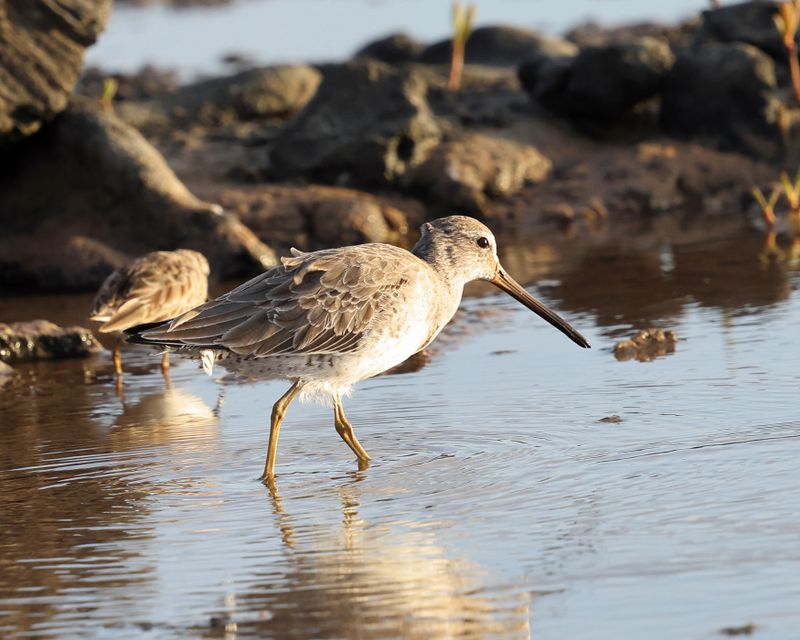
155	287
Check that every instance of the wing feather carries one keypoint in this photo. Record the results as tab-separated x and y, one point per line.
320	302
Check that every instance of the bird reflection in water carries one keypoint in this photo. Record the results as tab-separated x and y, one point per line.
168	415
369	580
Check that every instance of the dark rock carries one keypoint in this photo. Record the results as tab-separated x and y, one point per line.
318	216
43	340
591	34
368	122
646	345
749	22
499	46
465	172
41	51
256	94
725	93
148	82
396	48
348	222
545	78
488	97
88	192
594	181
601	82
267	92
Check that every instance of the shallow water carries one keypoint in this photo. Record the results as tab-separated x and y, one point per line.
271	31
497	503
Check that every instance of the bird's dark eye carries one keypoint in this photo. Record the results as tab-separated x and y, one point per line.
483	243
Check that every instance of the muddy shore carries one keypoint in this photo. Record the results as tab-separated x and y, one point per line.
547	135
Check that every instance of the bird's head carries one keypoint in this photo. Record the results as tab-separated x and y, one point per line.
464	249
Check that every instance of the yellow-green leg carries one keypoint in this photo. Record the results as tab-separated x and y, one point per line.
345	430
278	412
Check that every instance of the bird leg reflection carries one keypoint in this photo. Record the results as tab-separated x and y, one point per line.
346	433
283	521
117	357
278	412
220	401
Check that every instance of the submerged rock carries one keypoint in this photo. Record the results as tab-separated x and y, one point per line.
499	46
41	51
87	193
43	340
367	123
725	93
464	173
646	345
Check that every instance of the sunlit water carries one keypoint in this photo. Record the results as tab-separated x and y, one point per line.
271	31
497	504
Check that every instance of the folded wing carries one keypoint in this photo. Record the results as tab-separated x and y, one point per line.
321	302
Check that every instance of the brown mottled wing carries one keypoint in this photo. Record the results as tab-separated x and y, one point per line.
153	288
321	302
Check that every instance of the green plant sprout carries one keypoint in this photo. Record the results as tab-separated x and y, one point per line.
462	28
767	204
787	21
110	86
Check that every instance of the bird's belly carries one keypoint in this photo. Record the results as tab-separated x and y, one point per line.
387	350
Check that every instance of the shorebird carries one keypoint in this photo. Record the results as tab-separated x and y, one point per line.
329	318
154	287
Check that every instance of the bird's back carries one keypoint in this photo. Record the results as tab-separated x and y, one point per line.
152	288
323	302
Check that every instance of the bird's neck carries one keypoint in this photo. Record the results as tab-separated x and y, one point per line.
446	272
441	258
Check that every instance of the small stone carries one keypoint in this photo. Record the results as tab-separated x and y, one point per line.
613	419
744	630
646	345
44	340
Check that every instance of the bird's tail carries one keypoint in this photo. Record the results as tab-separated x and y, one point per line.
134	335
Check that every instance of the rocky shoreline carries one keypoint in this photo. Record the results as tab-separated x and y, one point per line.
601	127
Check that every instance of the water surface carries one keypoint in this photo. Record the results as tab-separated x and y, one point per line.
271	31
498	504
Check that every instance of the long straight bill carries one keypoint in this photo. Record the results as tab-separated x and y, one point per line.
505	282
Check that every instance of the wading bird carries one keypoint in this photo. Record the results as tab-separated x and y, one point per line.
329	318
154	287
